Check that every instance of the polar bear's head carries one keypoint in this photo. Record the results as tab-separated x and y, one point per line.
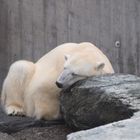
78	67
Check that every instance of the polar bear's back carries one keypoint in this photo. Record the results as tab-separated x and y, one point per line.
55	58
58	52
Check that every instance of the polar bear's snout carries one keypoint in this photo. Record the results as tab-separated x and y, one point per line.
64	78
68	78
60	85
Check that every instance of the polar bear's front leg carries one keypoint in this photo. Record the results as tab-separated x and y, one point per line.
48	110
42	105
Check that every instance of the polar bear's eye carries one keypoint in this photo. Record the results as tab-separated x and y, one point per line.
74	74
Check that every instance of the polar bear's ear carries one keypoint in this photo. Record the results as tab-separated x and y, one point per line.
100	66
67	56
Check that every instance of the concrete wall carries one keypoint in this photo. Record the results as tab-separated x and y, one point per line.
30	28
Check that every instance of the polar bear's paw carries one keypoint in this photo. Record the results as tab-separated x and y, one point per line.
15	111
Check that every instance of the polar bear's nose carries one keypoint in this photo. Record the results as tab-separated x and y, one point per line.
60	85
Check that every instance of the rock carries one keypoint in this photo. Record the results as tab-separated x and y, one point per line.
12	124
4	136
24	128
122	130
54	132
101	100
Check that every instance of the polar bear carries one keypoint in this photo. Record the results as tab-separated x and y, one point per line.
30	88
86	62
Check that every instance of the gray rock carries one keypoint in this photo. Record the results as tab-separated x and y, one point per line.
101	100
12	124
54	132
4	136
123	130
24	128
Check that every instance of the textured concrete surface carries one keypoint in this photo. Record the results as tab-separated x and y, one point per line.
54	132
